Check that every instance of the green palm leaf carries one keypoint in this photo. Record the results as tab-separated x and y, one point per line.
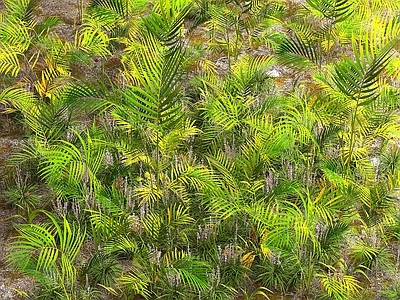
109	229
9	60
192	273
299	51
121	7
16	35
166	20
157	69
91	39
358	79
247	74
21	9
336	10
136	282
48	250
339	286
73	165
85	98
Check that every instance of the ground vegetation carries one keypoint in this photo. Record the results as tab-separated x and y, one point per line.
205	149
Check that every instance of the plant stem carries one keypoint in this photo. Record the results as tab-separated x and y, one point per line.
352	138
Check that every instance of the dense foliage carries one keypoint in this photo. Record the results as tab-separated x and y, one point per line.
206	149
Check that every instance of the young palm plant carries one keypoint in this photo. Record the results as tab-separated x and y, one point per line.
48	252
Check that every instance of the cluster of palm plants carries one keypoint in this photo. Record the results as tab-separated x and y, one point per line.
163	174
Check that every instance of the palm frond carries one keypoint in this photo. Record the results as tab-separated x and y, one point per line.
166	20
223	204
223	165
91	39
275	224
368	256
170	143
44	27
48	249
226	111
335	10
102	268
73	164
121	7
40	119
84	98
191	273
105	19
197	177
247	73
16	34
137	283
157	70
370	8
358	79
381	31
339	286
111	229
9	60
21	9
299	51
299	121
374	201
152	224
331	239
